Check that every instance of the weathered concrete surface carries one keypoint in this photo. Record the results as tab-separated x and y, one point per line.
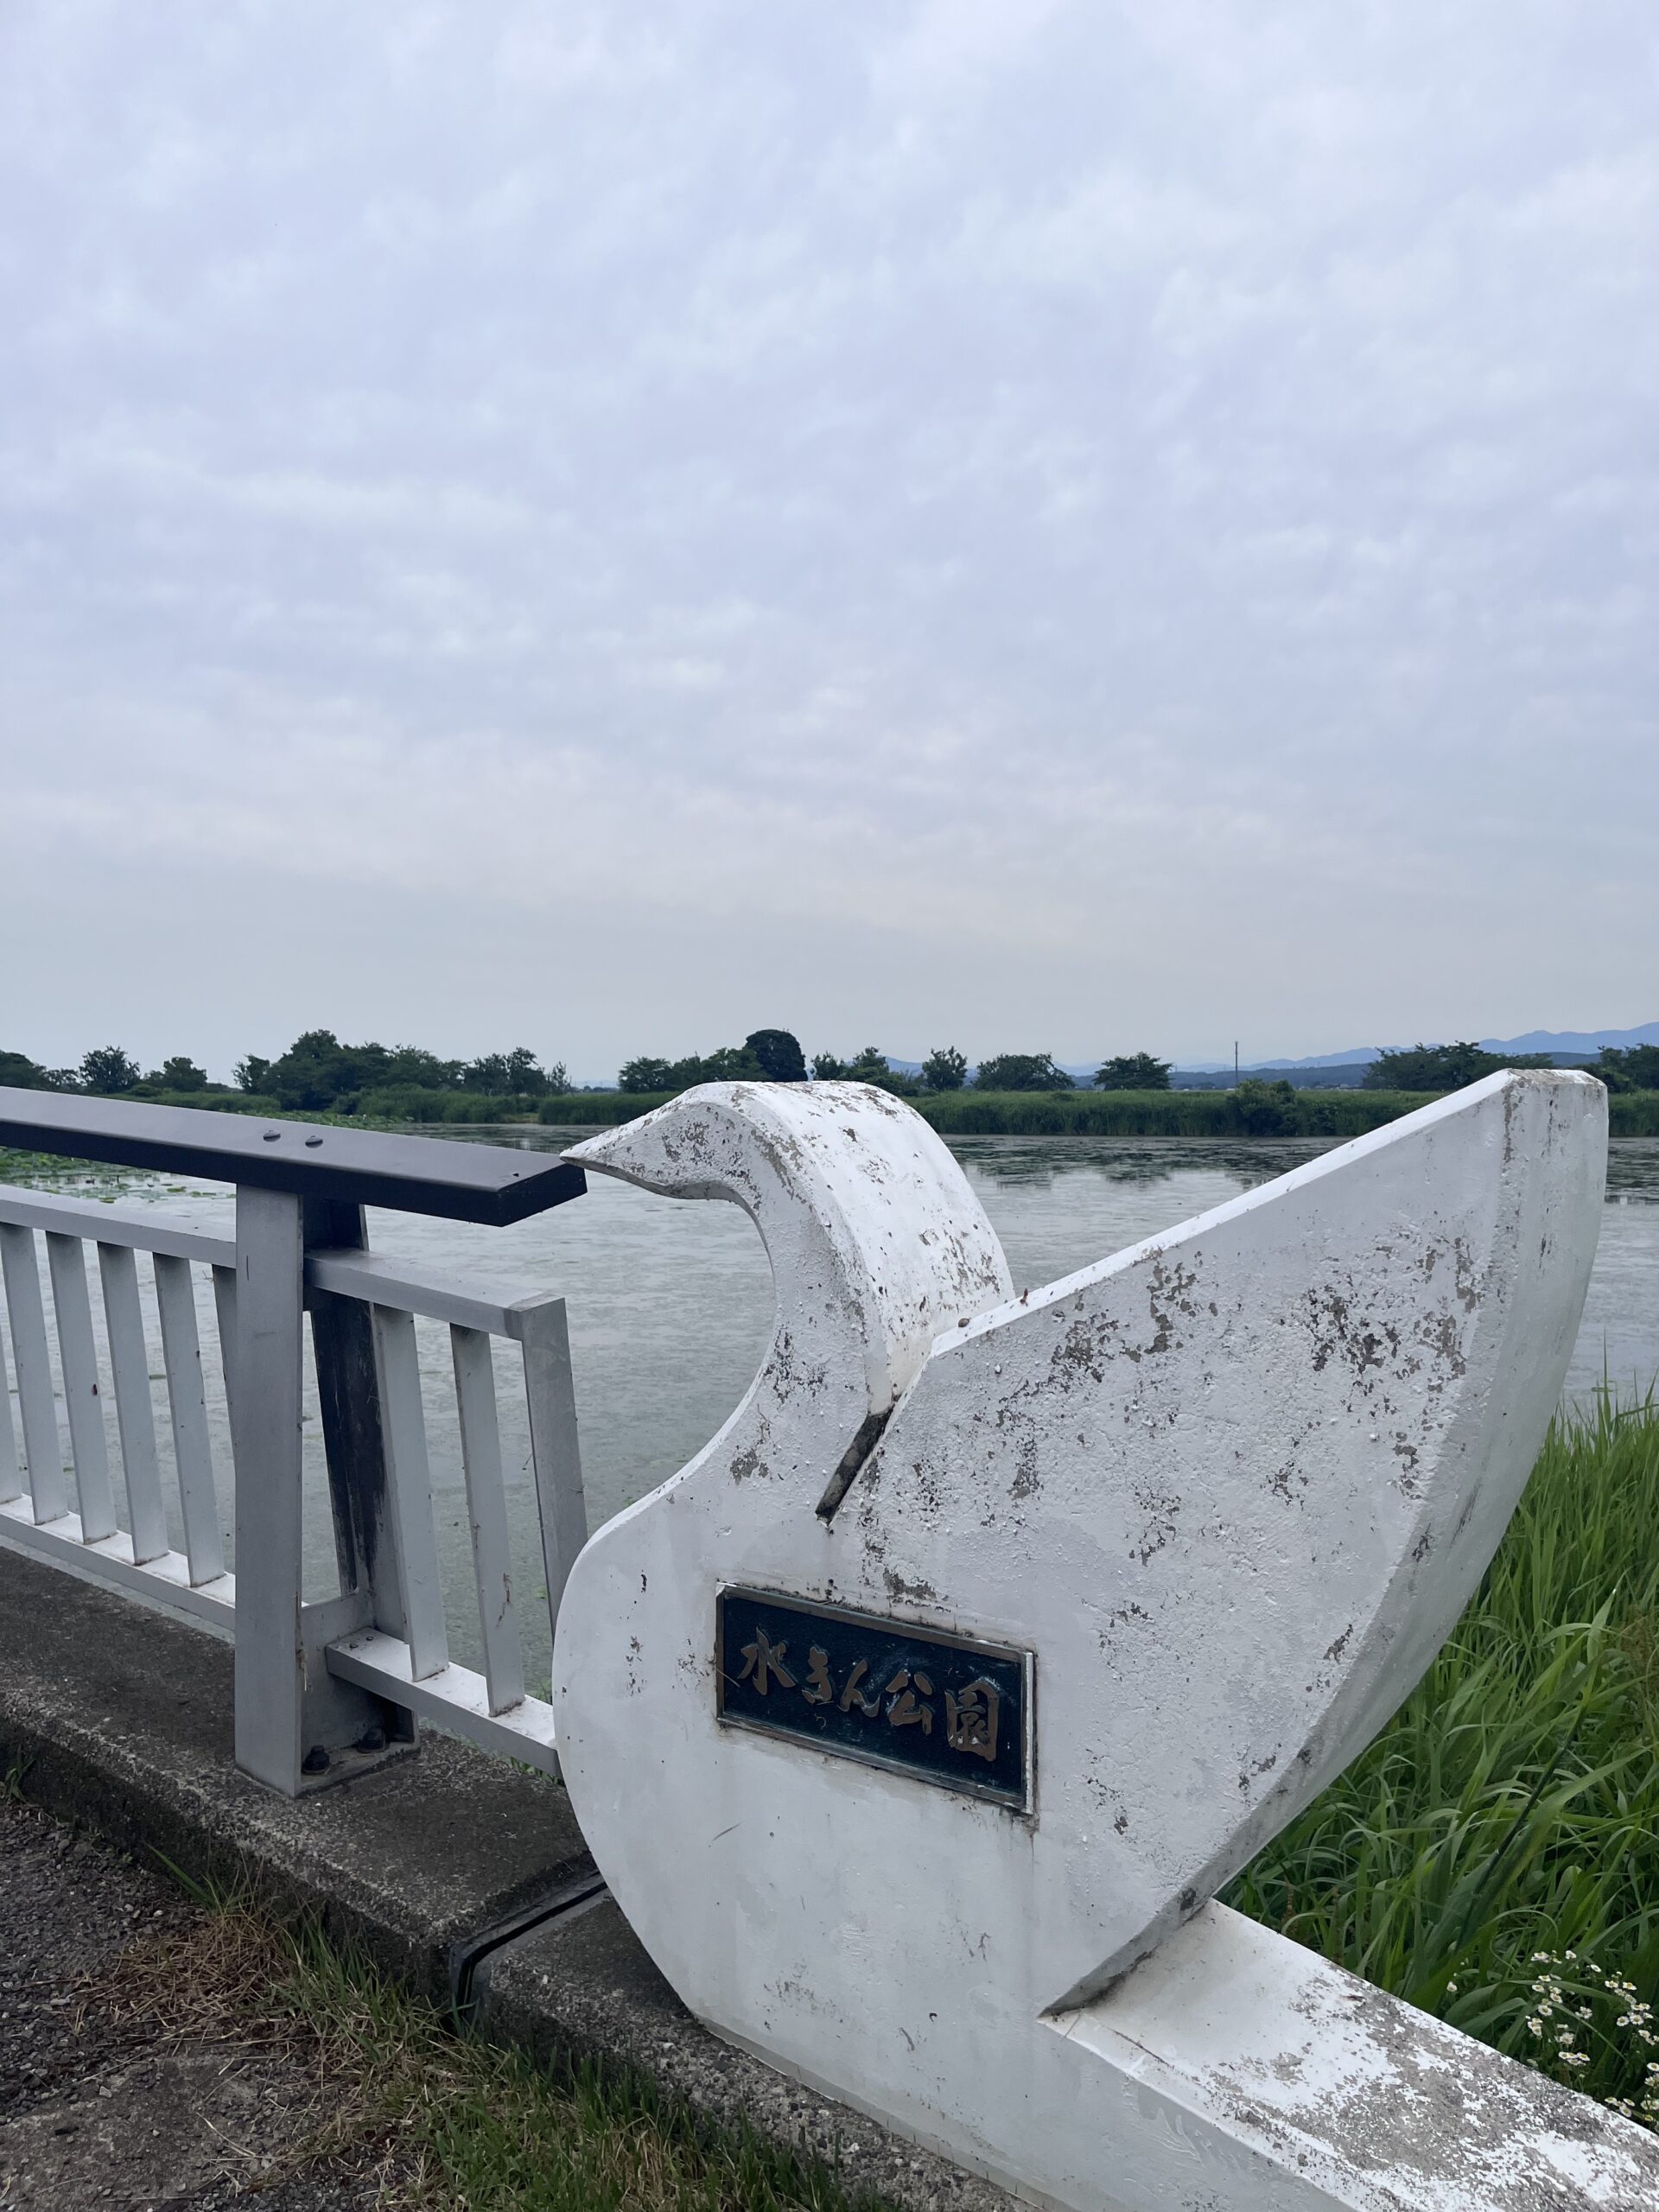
1231	1488
92	2113
581	1988
124	1718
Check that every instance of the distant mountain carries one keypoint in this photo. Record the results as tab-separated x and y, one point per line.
1357	1056
1583	1043
1587	1041
1360	1056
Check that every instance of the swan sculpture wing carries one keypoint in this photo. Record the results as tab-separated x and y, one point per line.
1220	1497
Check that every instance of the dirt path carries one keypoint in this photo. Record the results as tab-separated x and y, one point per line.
96	2108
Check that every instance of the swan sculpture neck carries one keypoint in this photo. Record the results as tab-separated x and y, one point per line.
875	1241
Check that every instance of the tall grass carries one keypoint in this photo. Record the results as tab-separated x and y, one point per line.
1493	1856
1127	1113
1255	1112
408	2114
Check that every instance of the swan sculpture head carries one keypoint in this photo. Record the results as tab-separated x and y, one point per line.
1226	1492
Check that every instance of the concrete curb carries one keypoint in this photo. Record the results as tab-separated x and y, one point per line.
120	1719
582	1986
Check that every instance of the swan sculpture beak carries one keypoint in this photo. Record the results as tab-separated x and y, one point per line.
1193	1520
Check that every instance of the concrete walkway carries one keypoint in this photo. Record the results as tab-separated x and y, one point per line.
93	2111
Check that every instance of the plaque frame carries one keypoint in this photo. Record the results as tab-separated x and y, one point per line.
896	1637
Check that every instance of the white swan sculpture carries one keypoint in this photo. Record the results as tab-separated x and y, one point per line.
915	1722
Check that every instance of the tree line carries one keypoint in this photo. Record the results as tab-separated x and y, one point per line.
1449	1067
775	1056
317	1074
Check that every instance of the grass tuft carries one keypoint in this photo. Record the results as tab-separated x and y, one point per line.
1493	1856
439	2118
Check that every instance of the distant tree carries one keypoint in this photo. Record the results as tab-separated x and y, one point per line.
556	1079
1632	1067
1133	1071
1021	1071
729	1063
411	1067
645	1074
778	1054
1443	1067
945	1069
870	1065
516	1074
318	1073
526	1076
251	1073
17	1072
108	1071
180	1074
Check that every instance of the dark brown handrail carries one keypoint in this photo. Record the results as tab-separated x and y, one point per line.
458	1182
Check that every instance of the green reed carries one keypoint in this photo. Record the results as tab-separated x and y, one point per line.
1493	1856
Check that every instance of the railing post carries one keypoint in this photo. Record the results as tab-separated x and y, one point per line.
266	1405
349	1395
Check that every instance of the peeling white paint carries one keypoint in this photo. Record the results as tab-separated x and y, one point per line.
1232	1487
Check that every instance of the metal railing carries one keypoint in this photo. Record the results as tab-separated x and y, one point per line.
325	1686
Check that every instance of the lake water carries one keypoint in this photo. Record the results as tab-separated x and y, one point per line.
669	1303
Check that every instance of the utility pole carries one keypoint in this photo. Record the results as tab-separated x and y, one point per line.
1234	1064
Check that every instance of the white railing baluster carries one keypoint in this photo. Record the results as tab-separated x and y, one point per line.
487	1514
49	1496
12	1473
555	1446
134	1413
225	1314
408	1476
192	1454
78	1355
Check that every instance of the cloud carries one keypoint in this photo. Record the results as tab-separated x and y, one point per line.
1146	514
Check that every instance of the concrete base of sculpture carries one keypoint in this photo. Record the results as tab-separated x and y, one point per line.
915	1723
1234	2071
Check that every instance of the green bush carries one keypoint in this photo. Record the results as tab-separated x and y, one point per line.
425	1106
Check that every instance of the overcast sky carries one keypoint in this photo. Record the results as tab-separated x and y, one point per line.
1033	526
